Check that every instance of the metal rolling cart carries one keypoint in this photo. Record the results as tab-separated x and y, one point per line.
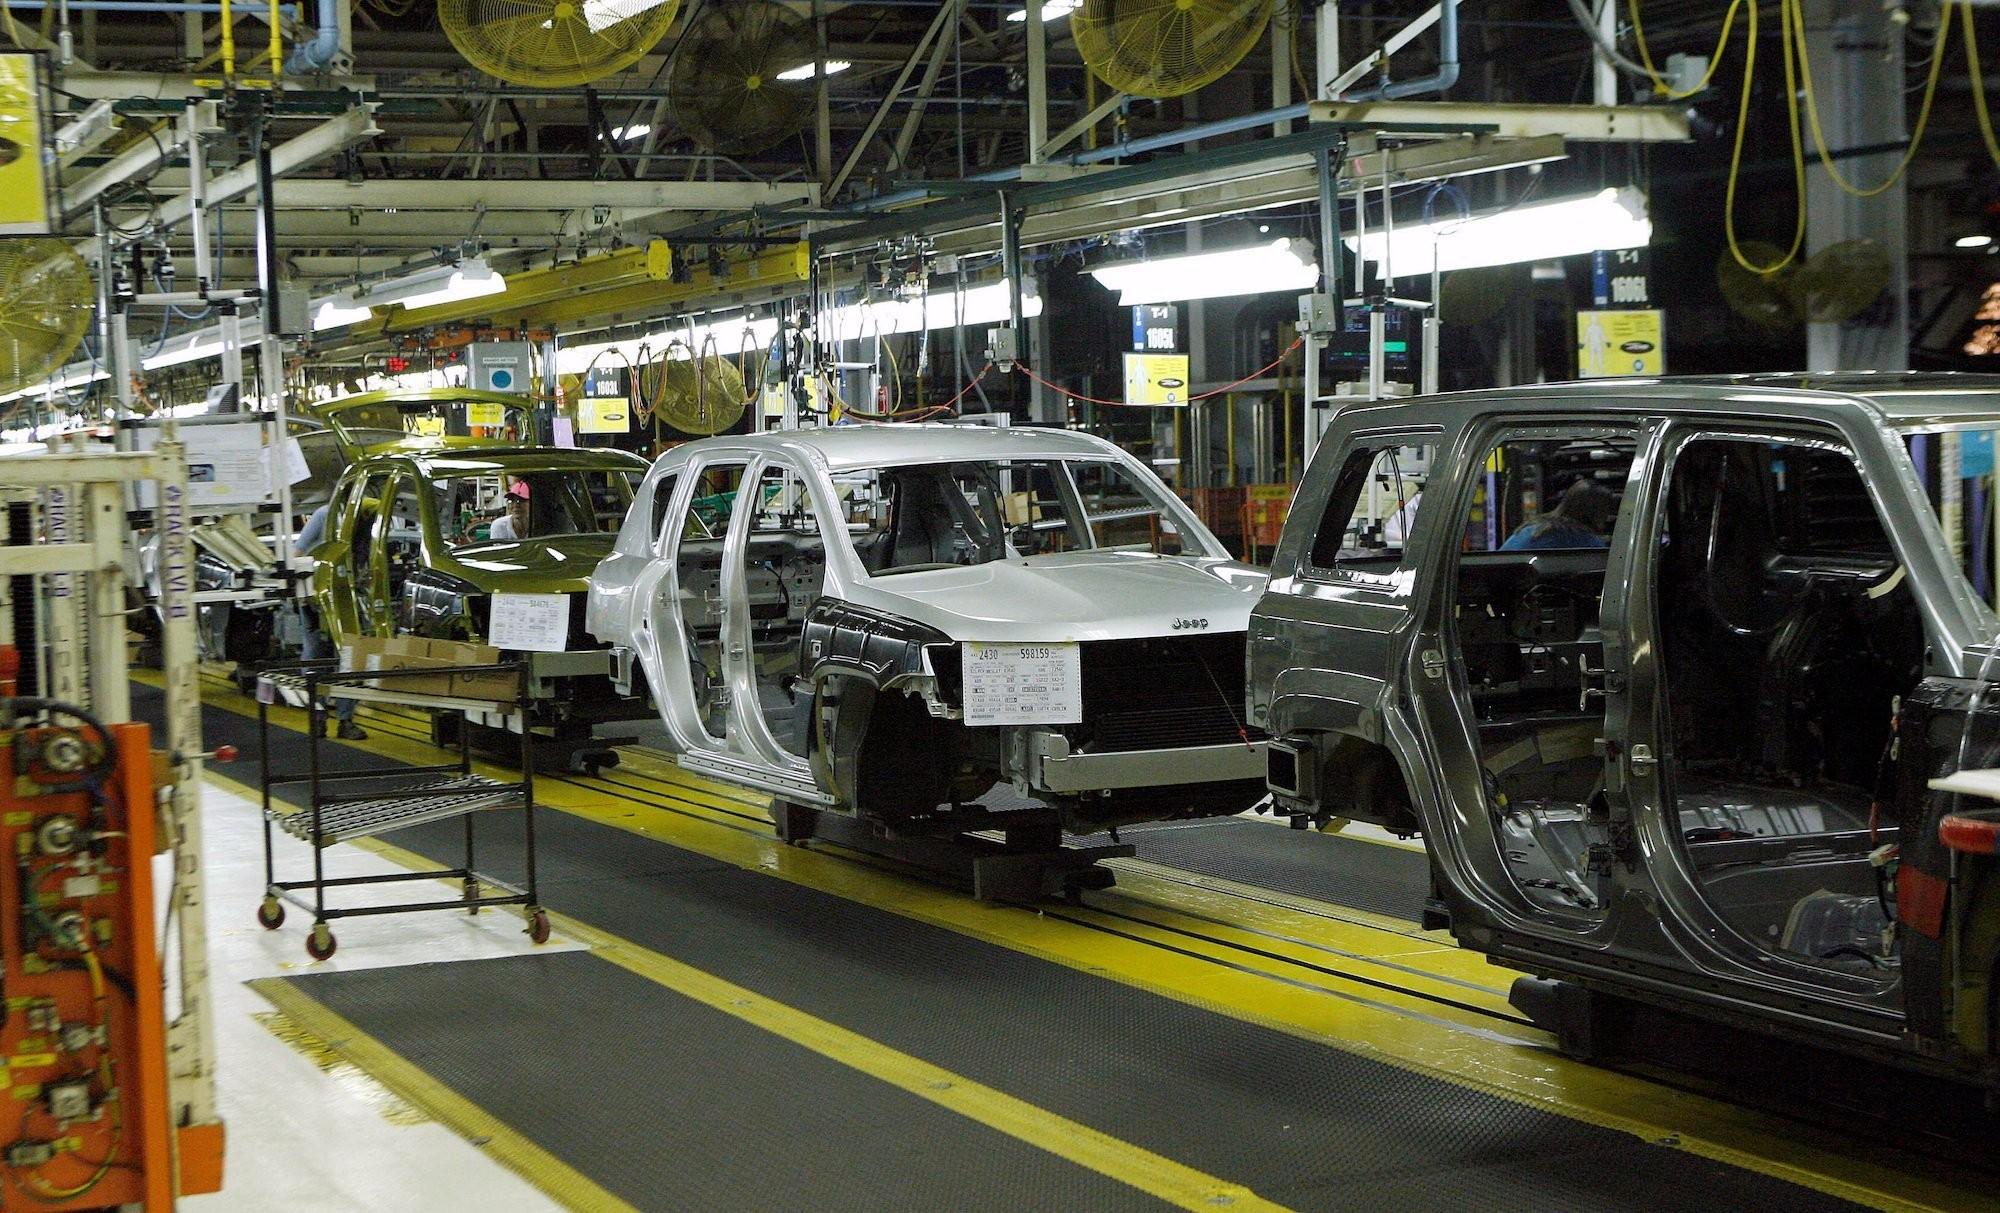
391	798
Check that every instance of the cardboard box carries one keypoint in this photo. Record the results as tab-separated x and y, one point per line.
358	653
498	687
407	653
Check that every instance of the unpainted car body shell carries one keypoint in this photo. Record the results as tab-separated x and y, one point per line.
1080	596
1365	657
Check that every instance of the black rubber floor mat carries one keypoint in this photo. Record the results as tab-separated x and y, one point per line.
671	1104
1293	1119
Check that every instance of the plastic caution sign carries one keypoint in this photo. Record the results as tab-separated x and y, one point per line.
24	183
1620	343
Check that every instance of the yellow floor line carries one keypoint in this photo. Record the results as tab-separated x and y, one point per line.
1538	1077
518	1154
1152	1173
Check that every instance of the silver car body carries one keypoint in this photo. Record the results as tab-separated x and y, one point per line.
641	605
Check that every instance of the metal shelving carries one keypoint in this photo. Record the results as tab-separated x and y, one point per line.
388	798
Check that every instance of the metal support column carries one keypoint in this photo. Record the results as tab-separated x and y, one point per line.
270	353
1857	63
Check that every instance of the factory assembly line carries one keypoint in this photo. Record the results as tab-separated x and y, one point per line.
1003	605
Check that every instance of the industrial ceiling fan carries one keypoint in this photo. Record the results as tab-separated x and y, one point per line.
1164	48
1835	284
555	43
742	79
46	301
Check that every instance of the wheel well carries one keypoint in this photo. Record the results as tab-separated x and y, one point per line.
1363	780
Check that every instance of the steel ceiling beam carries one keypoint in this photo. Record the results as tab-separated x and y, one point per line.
1521	120
498	197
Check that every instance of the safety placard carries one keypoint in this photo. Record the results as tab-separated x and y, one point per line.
1009	683
24	181
604	415
485	412
1158	379
1620	343
529	623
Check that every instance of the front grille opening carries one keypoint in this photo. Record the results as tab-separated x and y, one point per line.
1162	693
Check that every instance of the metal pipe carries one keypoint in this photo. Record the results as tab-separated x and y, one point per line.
323	50
1326	44
1038	82
198	208
228	44
1438	81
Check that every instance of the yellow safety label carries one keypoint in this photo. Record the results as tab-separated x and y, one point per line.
31	1061
28	1093
19	818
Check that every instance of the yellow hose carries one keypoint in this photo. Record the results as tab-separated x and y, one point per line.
1736	155
1792	12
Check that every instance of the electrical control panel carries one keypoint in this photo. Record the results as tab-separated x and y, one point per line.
83	1041
498	366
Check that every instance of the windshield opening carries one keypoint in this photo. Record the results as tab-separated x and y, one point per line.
536	504
948	515
1956	468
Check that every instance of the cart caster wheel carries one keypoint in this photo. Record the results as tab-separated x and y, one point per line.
271	914
321	943
538	926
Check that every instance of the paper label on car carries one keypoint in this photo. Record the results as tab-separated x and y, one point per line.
529	623
1011	683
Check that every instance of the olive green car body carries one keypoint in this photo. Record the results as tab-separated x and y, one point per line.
374	577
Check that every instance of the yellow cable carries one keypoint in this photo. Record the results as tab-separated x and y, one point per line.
1792	13
1714	60
1978	84
1736	156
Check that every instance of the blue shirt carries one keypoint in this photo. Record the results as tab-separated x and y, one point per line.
1544	534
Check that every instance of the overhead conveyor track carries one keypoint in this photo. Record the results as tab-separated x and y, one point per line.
1320	1055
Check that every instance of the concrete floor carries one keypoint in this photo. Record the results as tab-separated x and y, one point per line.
307	1131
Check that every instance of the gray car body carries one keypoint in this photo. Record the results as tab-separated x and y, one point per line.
1345	656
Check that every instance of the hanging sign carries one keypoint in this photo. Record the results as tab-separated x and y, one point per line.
24	179
485	412
604	415
1156	379
1156	328
1620	343
1620	278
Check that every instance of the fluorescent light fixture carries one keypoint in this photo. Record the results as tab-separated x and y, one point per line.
1608	219
1282	265
638	130
601	15
438	284
75	375
988	304
1052	10
1972	242
804	71
338	311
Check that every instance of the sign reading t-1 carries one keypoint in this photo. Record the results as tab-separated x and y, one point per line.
1156	328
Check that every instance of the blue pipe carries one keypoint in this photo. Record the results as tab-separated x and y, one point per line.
1438	81
320	53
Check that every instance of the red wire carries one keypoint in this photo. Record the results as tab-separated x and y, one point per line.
1023	368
